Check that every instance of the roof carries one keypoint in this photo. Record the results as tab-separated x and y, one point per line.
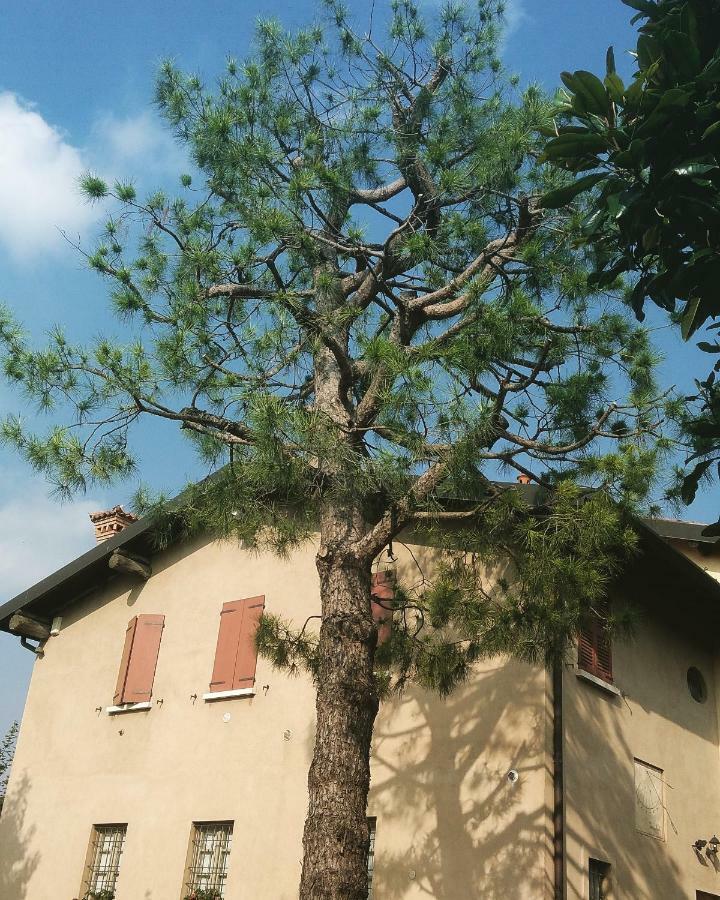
675	529
90	571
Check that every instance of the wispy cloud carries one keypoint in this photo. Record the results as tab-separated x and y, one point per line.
38	534
137	145
39	172
515	14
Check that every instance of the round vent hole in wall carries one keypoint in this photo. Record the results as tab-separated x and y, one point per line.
696	685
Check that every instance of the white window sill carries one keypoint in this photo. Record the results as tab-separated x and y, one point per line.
227	695
128	707
598	682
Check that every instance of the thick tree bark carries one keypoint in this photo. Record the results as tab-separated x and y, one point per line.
336	835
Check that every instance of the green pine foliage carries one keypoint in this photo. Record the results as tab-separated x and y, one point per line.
358	302
7	753
520	582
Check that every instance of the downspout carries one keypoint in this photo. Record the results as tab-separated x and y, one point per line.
560	887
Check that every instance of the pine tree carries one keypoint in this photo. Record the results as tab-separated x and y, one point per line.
7	752
361	317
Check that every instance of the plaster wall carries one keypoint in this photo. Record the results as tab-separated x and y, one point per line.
656	721
450	825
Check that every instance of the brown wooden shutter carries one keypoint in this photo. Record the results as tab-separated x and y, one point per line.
143	659
125	662
235	654
382	590
594	648
247	652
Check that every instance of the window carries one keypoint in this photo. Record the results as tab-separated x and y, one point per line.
372	822
594	650
382	593
236	654
599	880
649	800
209	855
103	865
696	685
139	659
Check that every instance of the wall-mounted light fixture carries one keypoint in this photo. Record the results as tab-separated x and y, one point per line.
713	844
699	845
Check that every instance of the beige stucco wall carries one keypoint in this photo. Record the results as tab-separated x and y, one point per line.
708	559
450	825
657	721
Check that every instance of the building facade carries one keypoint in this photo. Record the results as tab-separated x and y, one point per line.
159	758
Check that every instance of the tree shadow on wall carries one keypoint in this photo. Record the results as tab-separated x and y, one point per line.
441	788
600	799
17	863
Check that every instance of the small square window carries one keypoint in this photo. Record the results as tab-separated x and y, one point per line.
372	823
599	873
208	860
103	865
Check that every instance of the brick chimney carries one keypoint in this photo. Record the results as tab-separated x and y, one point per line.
111	522
524	479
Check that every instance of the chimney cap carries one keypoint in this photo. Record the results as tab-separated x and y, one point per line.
110	522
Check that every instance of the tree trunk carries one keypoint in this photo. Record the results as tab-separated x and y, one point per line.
336	838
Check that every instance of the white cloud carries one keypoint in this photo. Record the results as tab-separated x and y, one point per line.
515	15
39	173
137	145
38	534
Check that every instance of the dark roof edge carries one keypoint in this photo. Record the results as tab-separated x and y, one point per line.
92	557
657	529
674	529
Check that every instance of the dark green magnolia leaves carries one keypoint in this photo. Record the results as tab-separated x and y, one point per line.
657	214
562	196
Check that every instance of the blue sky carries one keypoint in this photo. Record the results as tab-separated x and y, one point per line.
76	83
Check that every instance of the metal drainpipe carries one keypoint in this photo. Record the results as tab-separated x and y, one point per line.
560	892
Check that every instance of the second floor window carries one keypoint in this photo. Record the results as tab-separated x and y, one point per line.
139	659
209	858
103	868
594	648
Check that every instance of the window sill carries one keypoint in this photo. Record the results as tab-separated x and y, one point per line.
228	695
128	707
598	682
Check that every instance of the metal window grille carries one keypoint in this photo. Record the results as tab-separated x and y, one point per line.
104	865
372	823
599	877
210	855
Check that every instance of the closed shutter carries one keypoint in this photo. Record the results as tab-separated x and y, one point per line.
236	654
594	648
247	652
125	661
382	593
139	659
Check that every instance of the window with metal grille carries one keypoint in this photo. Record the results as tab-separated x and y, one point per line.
209	857
103	867
594	650
599	880
372	822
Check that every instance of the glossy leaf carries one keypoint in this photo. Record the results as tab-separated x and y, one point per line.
562	196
